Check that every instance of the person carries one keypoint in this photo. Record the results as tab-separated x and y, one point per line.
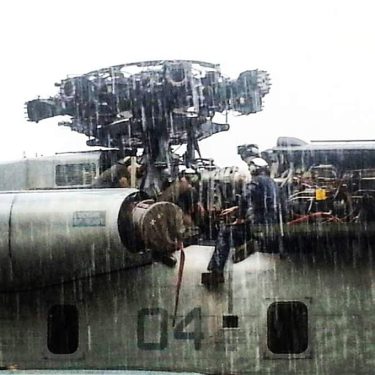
258	218
183	193
119	174
263	211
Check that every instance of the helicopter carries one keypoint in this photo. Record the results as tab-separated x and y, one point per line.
82	290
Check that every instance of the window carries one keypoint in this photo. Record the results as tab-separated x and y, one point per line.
62	329
75	174
287	327
230	321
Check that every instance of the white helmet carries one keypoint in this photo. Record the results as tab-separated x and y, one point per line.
257	164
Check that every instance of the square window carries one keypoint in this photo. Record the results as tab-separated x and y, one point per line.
287	327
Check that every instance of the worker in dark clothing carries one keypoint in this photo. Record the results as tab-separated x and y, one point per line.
263	214
258	217
235	234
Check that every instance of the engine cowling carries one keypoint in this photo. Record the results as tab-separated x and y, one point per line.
49	237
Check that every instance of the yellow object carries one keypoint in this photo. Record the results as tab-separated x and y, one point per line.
320	194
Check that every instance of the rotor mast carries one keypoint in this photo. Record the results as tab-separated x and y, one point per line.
153	106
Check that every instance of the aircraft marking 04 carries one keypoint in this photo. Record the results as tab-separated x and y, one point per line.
179	333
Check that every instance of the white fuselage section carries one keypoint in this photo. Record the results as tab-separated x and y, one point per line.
124	319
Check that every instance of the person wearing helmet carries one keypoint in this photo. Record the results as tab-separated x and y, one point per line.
257	165
257	218
261	195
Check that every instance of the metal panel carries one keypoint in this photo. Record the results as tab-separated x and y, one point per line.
6	203
57	236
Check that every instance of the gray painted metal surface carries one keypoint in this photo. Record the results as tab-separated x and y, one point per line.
49	236
125	317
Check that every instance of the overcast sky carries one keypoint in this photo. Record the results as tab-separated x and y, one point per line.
320	55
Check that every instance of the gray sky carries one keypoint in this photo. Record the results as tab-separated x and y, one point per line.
320	55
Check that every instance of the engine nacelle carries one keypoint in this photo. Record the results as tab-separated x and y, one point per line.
49	237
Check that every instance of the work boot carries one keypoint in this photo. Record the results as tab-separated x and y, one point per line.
212	279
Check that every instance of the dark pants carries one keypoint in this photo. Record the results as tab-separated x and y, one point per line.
238	235
229	235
